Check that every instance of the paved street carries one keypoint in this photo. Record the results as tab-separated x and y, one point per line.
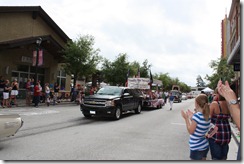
63	133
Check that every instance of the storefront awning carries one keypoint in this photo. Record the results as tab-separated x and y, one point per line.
48	44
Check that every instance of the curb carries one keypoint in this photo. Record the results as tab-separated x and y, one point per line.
234	132
22	104
235	138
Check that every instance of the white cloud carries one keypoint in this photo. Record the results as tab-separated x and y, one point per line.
179	37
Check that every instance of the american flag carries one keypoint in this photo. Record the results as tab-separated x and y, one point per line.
138	73
127	76
151	78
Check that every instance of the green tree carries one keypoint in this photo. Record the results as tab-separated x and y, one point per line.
133	67
200	82
221	70
175	81
145	69
80	57
184	88
166	80
115	72
106	70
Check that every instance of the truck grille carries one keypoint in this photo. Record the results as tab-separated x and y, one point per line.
98	103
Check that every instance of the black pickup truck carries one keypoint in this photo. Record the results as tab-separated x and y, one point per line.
112	101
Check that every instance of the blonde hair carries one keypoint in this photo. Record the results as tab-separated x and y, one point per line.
202	101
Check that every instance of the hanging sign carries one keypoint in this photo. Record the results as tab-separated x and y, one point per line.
34	58
40	58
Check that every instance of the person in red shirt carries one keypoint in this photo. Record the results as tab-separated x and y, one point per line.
92	91
36	95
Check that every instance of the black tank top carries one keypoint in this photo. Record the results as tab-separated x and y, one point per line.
6	86
14	87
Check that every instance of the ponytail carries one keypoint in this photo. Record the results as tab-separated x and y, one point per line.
202	101
206	111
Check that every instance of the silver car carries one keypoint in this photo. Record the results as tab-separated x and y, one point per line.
184	96
10	124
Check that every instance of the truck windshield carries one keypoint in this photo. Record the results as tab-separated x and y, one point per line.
116	91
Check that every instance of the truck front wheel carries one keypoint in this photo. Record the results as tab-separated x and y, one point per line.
117	113
138	109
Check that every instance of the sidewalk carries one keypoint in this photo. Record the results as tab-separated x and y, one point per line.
22	103
235	133
234	143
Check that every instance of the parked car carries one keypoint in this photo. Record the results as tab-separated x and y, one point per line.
190	96
10	124
112	101
184	96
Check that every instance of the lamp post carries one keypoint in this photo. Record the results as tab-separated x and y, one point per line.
38	43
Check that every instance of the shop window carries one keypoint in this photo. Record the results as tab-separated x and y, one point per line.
23	80
15	75
23	68
39	70
61	79
24	72
32	69
63	73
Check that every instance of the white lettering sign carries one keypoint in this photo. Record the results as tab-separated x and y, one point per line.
26	59
139	83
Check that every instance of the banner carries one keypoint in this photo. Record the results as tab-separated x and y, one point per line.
138	73
34	58
40	58
138	83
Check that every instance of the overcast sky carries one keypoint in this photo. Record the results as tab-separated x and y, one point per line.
179	37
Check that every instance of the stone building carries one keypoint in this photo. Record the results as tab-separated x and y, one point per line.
21	27
234	42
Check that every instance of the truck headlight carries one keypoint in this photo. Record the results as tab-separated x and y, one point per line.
109	103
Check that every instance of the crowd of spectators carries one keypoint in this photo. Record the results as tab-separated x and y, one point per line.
35	93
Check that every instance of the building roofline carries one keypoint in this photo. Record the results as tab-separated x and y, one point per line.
36	11
28	40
